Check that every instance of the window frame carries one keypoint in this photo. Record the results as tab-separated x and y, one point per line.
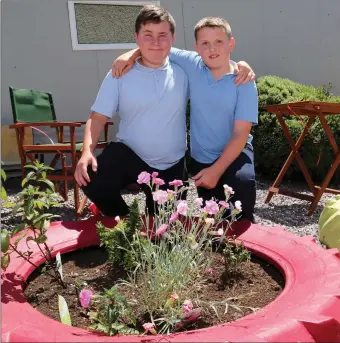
97	46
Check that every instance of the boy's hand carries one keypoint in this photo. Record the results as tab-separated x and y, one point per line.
122	64
244	73
207	178
81	175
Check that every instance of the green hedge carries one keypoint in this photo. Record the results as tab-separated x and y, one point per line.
270	145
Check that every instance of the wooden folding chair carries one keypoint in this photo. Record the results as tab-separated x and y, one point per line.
35	109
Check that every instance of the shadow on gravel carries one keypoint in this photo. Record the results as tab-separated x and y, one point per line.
288	215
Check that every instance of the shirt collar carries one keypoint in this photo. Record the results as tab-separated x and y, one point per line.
165	66
211	77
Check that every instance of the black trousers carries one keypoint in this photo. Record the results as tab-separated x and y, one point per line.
119	166
240	176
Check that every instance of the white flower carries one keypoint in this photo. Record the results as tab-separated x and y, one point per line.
210	221
238	205
220	232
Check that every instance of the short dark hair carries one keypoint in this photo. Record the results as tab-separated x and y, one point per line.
213	22
154	14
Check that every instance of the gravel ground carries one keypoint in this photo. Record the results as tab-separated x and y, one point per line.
281	211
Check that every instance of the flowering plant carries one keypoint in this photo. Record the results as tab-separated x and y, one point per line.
168	257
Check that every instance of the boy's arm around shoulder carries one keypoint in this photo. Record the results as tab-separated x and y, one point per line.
187	60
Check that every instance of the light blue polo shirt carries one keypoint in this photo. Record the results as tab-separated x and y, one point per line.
151	104
215	105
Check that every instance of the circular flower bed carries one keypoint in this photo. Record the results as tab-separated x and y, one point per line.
306	310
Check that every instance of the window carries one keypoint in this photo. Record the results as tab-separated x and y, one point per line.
104	25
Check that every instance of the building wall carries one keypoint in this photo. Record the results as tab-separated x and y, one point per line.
294	39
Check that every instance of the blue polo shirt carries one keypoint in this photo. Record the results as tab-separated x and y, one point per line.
215	105
151	104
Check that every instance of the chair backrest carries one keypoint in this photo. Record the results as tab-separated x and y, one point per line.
30	106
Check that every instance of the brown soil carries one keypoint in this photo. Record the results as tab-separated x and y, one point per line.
256	285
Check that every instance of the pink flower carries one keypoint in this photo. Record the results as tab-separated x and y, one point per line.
199	202
211	207
182	208
117	219
210	221
209	271
149	327
187	306
228	189
160	196
171	192
194	245
162	229
154	175
143	234
220	232
174	217
238	205
85	297
158	181
224	204
176	183
143	177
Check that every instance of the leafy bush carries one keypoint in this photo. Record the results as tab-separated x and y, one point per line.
270	145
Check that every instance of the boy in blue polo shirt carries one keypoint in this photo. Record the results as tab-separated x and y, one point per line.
221	117
151	103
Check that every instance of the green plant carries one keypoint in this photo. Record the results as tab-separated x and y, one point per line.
113	314
167	258
3	190
234	254
36	197
270	145
118	241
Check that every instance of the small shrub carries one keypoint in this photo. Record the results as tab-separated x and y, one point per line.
113	315
36	197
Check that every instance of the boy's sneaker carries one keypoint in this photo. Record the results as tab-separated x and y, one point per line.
94	209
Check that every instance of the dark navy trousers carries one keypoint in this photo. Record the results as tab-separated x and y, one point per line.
118	167
240	175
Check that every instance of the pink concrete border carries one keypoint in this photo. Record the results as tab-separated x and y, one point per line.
308	309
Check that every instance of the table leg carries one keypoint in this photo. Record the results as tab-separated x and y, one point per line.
334	166
324	185
293	154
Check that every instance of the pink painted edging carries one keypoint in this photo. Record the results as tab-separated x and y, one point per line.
308	309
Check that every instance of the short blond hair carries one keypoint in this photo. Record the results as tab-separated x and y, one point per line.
213	22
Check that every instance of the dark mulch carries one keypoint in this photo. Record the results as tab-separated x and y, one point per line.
257	284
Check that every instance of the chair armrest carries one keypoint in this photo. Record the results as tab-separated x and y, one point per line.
62	124
107	123
21	125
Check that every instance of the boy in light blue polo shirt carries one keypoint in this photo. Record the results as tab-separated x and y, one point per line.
151	103
222	114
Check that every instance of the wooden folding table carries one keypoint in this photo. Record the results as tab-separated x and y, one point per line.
312	110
